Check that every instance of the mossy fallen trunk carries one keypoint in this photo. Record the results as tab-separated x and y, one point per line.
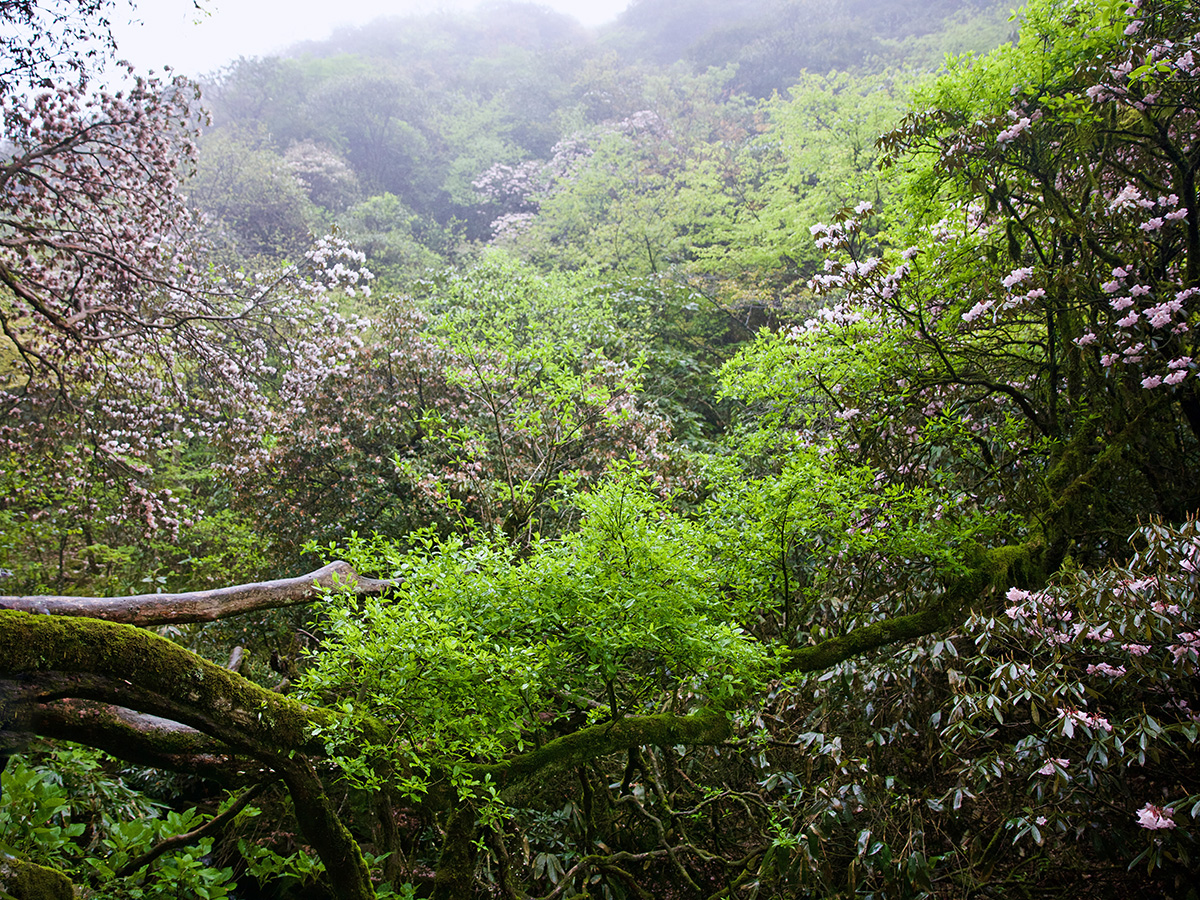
45	659
26	881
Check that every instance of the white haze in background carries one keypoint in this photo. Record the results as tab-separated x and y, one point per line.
172	32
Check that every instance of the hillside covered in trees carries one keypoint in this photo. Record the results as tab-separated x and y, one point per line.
742	451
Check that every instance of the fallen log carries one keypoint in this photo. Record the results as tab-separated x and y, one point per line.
203	606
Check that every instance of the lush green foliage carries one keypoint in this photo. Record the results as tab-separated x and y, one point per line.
759	505
483	651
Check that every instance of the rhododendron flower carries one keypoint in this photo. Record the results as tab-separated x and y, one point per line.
1154	817
1049	767
1106	670
1083	718
1191	644
977	310
1016	276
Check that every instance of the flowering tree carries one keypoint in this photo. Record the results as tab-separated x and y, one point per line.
901	645
619	196
119	343
488	406
1039	323
1027	361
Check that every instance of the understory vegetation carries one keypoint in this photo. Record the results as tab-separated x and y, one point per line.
736	456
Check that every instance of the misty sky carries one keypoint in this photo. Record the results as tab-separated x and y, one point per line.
172	32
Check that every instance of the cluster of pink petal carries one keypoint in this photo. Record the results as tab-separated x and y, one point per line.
1155	817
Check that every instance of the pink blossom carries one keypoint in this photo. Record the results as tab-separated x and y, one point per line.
1151	381
1016	276
1106	670
1049	767
977	310
1155	817
1191	644
1011	134
1083	718
1129	195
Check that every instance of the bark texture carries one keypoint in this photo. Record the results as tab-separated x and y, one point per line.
202	606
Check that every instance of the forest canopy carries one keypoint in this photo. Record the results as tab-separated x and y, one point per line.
491	458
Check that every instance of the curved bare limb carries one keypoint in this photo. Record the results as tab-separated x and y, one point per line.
203	606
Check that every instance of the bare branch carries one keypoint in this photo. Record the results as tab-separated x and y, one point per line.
216	823
202	606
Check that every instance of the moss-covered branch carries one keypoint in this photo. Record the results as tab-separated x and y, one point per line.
707	726
56	657
142	740
26	881
347	872
986	569
202	606
52	658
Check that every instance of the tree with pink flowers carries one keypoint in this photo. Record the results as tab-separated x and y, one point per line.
924	624
120	342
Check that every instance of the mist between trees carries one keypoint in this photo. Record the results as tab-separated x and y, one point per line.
740	452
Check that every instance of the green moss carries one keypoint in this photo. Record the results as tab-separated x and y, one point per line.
456	865
136	668
707	726
1018	564
987	572
26	881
